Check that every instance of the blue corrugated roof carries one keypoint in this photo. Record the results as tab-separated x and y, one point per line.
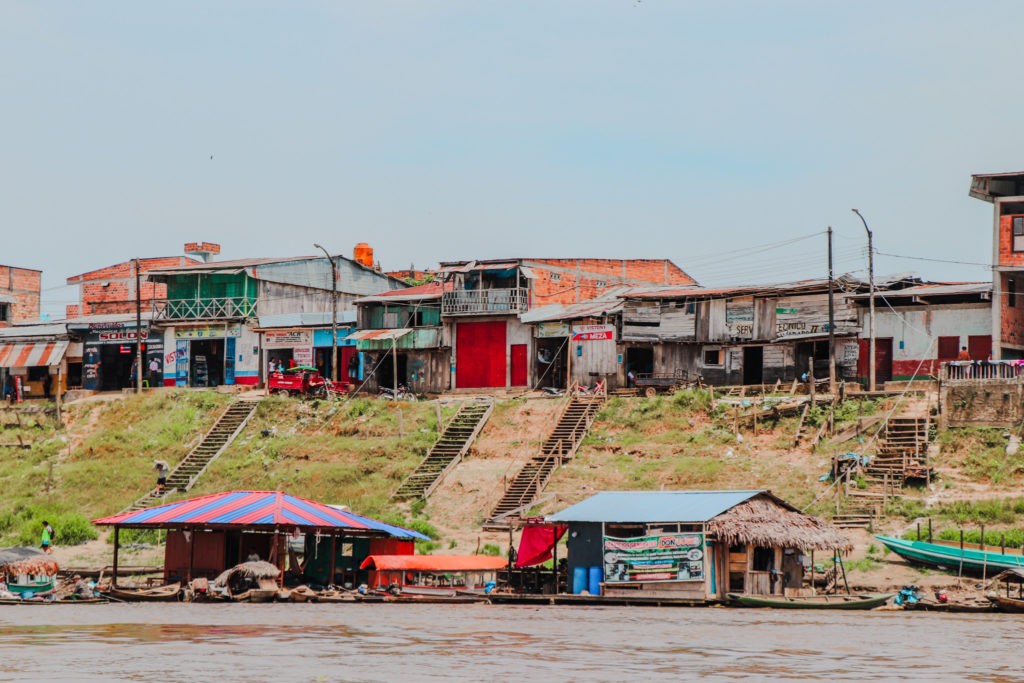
653	506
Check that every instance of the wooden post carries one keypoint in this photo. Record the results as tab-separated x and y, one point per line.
810	375
437	407
191	554
330	576
401	423
918	531
812	572
554	565
929	529
117	548
278	559
60	377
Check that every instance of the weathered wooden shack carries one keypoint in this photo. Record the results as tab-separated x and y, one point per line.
693	545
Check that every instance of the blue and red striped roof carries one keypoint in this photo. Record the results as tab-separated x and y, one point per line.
255	509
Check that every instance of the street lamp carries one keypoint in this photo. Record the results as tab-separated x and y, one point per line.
334	314
871	304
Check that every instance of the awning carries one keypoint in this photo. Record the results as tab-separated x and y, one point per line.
434	563
32	355
396	333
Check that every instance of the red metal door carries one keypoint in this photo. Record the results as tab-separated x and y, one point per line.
519	365
480	354
949	348
979	346
883	359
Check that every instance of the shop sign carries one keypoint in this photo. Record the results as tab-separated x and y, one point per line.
303	355
660	557
593	332
206	332
286	339
117	337
549	330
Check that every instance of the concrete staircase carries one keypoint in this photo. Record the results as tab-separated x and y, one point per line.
901	455
228	426
520	494
451	447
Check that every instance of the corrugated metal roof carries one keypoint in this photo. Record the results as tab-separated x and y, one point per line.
934	289
233	265
33	331
305	319
428	291
697	292
254	509
388	334
652	506
609	302
32	355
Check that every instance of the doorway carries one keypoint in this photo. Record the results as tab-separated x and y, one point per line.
640	359
753	364
385	370
552	353
206	362
116	362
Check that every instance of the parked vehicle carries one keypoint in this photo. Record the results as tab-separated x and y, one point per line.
403	394
301	380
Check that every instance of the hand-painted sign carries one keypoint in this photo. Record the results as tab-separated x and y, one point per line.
287	339
206	332
549	330
661	557
592	332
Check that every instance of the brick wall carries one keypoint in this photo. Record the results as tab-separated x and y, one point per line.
569	280
1007	256
112	289
23	284
982	403
1011	318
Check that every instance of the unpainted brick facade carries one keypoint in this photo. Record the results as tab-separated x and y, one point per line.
565	281
24	284
112	289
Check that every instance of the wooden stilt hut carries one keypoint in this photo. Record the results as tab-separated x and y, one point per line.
694	546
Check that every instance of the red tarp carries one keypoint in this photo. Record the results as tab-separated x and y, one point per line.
536	544
434	563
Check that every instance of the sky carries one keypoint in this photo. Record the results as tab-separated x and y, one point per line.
726	136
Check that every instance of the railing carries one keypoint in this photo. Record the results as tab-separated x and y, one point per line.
484	301
204	309
967	370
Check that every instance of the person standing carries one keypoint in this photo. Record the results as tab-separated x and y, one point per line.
48	386
154	373
46	542
161	476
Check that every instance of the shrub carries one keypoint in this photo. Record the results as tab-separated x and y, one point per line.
490	549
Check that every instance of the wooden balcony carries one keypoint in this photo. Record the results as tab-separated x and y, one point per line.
217	308
485	301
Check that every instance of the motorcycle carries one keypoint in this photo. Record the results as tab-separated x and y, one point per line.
403	394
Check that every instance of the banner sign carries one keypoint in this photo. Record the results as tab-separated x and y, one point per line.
662	557
592	332
303	355
287	339
206	332
550	330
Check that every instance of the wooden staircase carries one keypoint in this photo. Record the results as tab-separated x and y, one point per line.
451	447
228	426
573	424
902	454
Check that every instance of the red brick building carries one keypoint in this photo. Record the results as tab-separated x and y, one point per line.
19	294
112	289
1005	191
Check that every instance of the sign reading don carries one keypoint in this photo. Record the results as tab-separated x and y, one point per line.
663	557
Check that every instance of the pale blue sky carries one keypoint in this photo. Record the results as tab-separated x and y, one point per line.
447	130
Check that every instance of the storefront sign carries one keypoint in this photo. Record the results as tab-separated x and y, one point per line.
206	332
661	557
303	355
116	337
592	332
286	339
549	330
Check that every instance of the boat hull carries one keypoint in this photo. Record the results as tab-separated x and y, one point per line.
843	602
37	588
970	561
170	593
1004	604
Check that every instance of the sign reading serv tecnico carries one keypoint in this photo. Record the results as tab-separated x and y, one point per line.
592	332
662	557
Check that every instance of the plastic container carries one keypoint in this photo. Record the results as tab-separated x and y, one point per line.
363	253
579	580
596	577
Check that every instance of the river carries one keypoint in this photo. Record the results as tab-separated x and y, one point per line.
190	643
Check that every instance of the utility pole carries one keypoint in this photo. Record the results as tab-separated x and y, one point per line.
831	320
138	329
871	304
334	315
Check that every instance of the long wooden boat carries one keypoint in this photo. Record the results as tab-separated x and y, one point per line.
169	593
856	601
77	601
1005	604
951	558
35	587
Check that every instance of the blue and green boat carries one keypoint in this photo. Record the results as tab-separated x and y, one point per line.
971	559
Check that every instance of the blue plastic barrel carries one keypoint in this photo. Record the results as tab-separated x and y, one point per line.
579	580
596	576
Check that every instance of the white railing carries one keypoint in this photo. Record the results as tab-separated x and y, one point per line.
217	308
484	301
967	370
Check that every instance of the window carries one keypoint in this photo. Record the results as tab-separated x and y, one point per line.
555	277
5	312
1018	233
600	283
391	320
1011	292
712	356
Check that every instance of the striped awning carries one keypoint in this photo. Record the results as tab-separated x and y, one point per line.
32	355
256	509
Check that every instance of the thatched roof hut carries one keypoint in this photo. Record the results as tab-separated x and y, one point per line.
770	521
15	562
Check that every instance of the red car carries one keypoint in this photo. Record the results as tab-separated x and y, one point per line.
300	381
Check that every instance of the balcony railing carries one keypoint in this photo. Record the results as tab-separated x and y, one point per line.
973	371
218	308
484	301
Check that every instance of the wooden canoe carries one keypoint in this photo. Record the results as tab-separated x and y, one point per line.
859	601
169	593
1005	604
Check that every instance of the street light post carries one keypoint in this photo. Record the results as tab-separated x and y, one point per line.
334	314
871	304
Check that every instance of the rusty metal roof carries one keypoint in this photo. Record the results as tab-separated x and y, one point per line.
430	290
608	303
380	335
934	289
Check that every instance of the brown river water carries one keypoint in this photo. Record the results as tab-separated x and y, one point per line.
343	642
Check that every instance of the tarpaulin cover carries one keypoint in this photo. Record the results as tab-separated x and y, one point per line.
254	509
536	544
434	563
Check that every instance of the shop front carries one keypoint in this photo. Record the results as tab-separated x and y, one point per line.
290	347
210	355
33	369
109	355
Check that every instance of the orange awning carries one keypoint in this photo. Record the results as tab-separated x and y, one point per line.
434	563
32	355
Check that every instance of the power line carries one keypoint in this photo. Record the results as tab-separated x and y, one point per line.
934	260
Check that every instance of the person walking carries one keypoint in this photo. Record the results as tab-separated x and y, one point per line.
46	541
161	476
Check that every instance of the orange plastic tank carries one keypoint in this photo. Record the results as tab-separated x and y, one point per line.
363	253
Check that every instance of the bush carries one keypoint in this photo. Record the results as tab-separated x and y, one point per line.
692	399
24	526
490	549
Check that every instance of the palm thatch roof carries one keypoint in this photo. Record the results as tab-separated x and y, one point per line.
253	570
763	521
15	562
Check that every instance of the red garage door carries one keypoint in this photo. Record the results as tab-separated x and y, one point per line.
480	354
